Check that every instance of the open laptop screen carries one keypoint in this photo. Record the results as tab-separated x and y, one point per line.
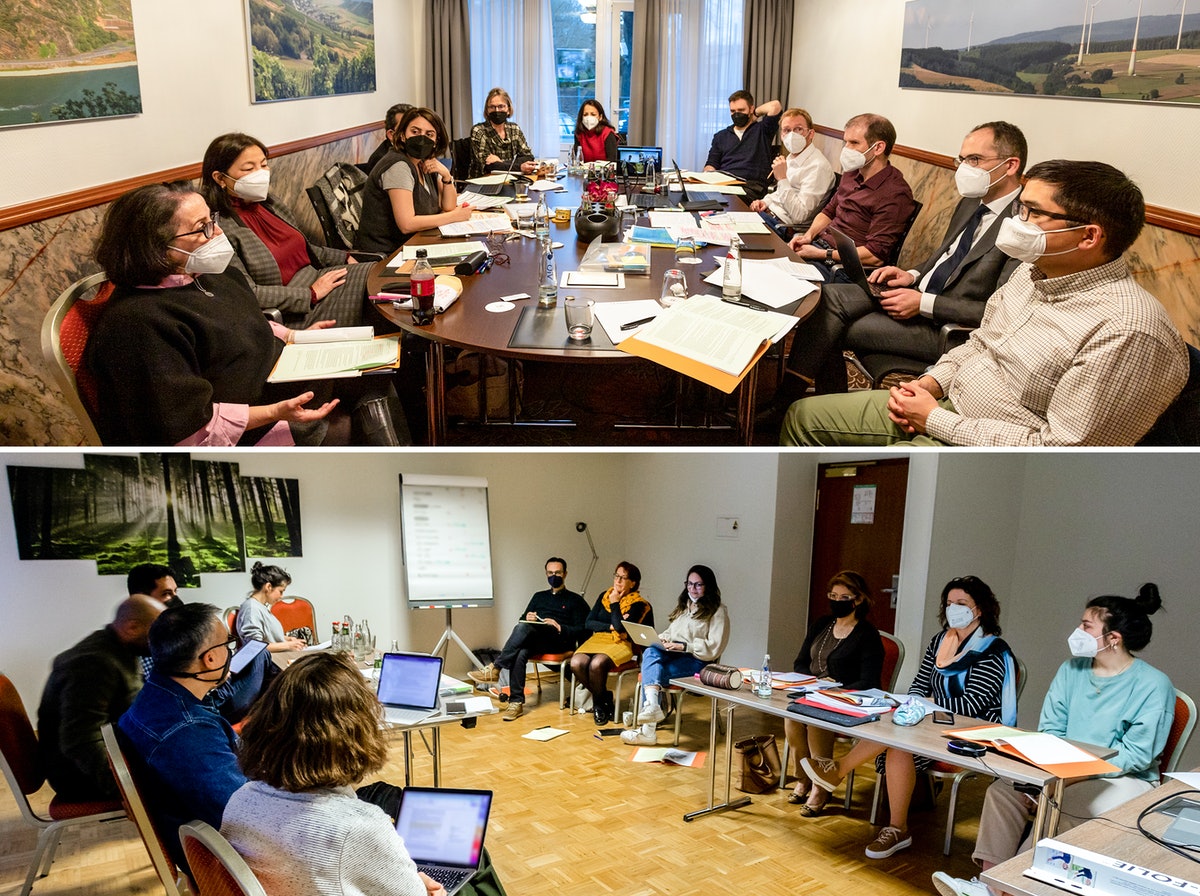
444	827
631	160
410	680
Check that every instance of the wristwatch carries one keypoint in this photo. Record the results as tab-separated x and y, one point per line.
829	256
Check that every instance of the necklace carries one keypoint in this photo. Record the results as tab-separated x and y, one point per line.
1097	679
821	655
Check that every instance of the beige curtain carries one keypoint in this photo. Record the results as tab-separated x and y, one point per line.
767	54
449	71
644	72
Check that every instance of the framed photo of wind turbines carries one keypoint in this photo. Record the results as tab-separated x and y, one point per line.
1130	50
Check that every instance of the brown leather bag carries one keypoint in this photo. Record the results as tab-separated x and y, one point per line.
758	760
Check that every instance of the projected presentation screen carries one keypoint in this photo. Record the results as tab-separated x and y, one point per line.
446	541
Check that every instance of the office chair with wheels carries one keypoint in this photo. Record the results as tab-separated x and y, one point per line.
217	869
24	774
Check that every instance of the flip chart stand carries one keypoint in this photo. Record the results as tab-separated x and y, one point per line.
448	635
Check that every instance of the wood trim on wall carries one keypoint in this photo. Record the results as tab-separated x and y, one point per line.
1156	215
65	203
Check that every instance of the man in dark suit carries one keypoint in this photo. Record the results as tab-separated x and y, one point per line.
951	286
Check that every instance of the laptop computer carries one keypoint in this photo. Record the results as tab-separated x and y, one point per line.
642	634
851	264
443	832
631	160
694	205
408	687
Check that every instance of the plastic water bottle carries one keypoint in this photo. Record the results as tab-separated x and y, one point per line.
763	688
421	287
541	221
731	278
651	180
547	279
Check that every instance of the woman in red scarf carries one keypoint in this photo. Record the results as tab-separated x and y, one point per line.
594	134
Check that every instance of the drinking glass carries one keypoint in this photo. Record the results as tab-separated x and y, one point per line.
674	287
685	251
580	318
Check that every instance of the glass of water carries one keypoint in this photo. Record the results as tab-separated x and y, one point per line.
674	287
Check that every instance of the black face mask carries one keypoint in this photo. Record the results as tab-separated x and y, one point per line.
740	119
419	147
555	581
497	117
841	608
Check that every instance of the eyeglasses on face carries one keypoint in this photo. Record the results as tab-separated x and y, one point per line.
230	645
974	161
208	228
1024	212
693	586
618	577
833	595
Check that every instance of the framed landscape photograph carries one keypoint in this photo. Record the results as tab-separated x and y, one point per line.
62	60
1132	50
306	48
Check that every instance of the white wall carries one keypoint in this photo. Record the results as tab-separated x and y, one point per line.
1151	143
195	85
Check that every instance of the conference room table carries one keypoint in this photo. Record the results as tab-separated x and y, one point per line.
1113	834
468	325
923	739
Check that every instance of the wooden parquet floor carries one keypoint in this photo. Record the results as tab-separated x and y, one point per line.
574	816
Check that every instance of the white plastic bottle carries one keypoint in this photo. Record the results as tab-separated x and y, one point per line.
731	278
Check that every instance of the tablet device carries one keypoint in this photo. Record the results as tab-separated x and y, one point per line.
245	654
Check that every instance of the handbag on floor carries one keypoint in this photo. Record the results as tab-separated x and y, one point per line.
758	761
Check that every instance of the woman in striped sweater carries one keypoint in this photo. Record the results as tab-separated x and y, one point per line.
967	669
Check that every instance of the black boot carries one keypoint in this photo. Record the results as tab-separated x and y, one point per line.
377	424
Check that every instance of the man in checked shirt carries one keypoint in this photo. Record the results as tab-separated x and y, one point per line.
1071	351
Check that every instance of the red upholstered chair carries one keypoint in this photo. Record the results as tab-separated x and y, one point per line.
553	659
217	869
65	331
294	613
1180	732
23	771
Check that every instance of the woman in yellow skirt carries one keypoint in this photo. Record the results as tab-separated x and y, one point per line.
609	647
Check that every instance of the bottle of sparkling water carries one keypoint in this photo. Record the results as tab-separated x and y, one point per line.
731	278
763	688
541	221
548	278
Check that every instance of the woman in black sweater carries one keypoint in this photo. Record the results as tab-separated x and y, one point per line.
841	647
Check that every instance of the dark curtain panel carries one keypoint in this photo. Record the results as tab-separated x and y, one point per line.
767	38
449	73
648	23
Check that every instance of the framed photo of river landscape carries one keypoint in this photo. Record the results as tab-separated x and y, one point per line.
305	48
61	60
1147	51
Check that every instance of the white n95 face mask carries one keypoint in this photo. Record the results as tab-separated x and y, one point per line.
1025	241
590	122
253	187
851	159
973	183
1082	644
958	616
793	142
211	258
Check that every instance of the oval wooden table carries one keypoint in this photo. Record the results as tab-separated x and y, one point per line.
468	325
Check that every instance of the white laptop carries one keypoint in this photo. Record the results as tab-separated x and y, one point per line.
409	684
642	634
443	832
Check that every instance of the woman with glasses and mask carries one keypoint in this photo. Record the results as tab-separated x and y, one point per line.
410	188
181	351
306	282
841	646
696	636
1104	695
968	669
498	144
609	645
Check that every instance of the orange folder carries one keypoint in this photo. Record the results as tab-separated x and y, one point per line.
718	379
1085	769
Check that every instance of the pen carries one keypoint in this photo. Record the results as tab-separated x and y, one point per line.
766	249
633	324
748	303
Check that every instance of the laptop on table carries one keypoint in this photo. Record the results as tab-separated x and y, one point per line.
443	832
408	687
631	160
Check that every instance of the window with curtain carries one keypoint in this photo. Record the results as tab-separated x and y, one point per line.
700	65
512	43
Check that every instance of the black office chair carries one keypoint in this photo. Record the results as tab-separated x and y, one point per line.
894	257
877	368
1180	423
460	153
337	199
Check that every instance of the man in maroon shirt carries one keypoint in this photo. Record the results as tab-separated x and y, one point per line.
872	204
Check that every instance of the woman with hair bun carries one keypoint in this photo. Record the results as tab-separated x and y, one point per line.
255	622
1104	695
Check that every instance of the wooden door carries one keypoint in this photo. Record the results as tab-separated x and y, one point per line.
858	525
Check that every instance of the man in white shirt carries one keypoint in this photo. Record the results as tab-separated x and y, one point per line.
803	177
951	286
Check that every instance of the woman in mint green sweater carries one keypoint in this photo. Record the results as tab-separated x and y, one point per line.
1103	696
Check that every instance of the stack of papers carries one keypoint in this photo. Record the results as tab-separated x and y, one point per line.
765	282
478	223
335	352
479	201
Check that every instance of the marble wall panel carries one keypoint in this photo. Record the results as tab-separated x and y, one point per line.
40	260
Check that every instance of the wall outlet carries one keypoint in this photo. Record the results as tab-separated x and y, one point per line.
728	526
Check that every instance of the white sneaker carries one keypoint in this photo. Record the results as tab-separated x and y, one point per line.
958	886
651	712
642	736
